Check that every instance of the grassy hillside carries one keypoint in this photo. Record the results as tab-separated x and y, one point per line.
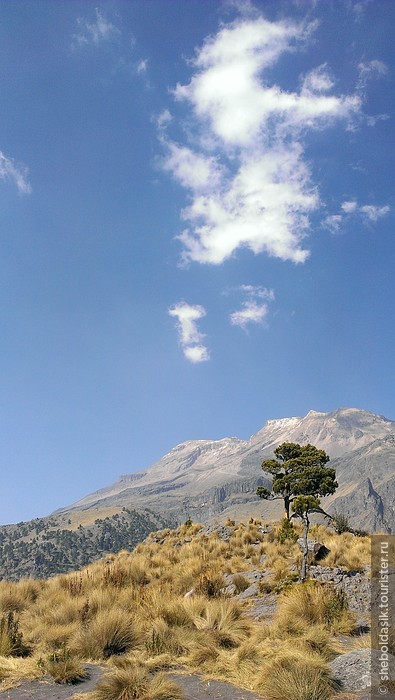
47	546
174	602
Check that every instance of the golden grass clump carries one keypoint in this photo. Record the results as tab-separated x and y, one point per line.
16	597
313	603
224	621
109	633
295	680
64	668
131	681
348	551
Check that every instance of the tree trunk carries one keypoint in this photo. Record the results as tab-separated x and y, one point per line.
306	522
287	506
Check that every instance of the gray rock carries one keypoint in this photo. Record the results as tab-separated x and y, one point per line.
249	592
264	608
354	671
317	549
354	584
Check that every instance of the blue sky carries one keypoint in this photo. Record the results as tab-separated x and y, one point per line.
196	228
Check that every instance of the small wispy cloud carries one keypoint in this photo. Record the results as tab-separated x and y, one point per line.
372	213
190	337
256	291
247	180
17	174
350	206
369	213
95	32
253	310
369	70
142	66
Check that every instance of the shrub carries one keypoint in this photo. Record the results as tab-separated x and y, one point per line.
287	532
109	633
129	681
10	637
295	680
340	523
64	668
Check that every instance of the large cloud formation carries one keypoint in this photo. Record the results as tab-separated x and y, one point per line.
248	182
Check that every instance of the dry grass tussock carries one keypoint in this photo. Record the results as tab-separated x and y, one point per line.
129	612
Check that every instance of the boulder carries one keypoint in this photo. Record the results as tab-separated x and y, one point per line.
317	549
352	672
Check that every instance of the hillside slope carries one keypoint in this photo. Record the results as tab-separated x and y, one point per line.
211	479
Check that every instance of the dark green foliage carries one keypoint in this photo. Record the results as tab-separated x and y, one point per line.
286	582
298	470
287	532
340	523
41	548
336	604
11	637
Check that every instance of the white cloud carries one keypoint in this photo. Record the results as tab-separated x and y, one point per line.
196	353
318	80
333	223
251	312
227	91
258	292
190	337
193	170
14	173
369	70
349	207
248	182
142	66
94	32
264	208
373	213
368	213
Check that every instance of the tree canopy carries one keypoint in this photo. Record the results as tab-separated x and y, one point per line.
299	470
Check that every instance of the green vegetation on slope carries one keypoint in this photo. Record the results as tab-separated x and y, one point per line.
41	548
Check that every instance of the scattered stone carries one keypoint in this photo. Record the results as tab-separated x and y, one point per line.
317	549
354	584
264	608
249	592
352	672
222	531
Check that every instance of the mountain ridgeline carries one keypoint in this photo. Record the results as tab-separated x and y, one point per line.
205	480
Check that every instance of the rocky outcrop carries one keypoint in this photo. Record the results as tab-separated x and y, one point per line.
356	671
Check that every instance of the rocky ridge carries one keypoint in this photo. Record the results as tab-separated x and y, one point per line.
203	479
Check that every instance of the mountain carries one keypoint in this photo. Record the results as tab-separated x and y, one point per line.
204	478
211	479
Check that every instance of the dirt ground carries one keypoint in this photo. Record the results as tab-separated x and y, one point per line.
193	686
